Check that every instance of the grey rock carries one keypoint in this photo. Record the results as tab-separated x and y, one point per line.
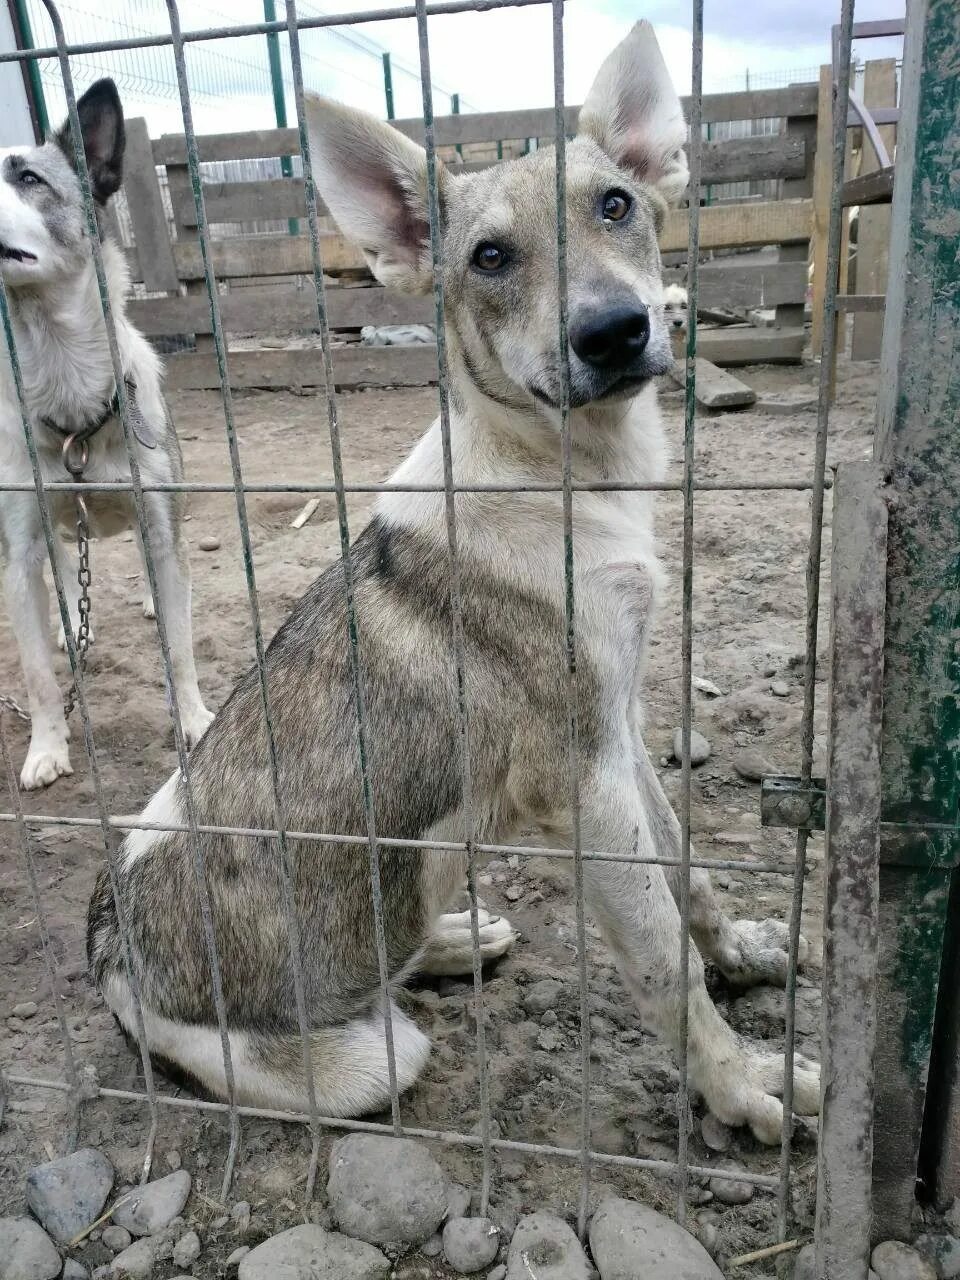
699	747
544	1246
73	1270
310	1253
543	995
458	1201
137	1262
498	1273
707	687
26	1251
386	1191
893	1260
67	1194
187	1250
210	543
116	1239
715	1133
942	1250
433	1247
27	1009
730	1191
470	1244
753	765
150	1208
632	1242
780	689
548	1040
238	1254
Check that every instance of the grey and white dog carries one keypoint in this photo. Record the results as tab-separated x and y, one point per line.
69	385
499	256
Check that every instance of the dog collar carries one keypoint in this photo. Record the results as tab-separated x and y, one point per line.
138	424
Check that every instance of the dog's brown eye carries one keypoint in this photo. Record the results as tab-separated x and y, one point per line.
616	206
489	257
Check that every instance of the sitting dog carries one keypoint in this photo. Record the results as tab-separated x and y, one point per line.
48	270
499	273
675	306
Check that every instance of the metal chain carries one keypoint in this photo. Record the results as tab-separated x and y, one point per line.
75	455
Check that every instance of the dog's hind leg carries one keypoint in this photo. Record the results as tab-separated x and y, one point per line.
149	608
449	951
746	952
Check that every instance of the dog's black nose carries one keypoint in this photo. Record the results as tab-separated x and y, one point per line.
611	337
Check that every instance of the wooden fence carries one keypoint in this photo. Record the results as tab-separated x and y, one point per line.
266	285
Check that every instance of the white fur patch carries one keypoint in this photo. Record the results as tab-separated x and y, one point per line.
165	807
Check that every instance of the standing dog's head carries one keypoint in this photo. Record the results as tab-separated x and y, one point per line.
675	306
42	224
499	233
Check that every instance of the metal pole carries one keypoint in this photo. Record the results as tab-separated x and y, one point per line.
918	446
455	110
279	103
388	86
22	24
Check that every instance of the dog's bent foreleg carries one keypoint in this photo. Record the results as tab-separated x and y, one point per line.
638	917
172	570
745	951
449	951
48	757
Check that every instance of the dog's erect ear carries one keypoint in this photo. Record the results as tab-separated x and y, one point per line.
104	138
373	180
633	113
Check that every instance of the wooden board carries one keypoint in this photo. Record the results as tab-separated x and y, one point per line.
869	188
822	181
280	309
746	345
353	366
716	389
261	200
142	189
730	226
873	231
742	284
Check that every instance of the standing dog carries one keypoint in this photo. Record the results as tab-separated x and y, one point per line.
69	386
499	255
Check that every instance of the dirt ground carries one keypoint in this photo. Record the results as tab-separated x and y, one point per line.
749	609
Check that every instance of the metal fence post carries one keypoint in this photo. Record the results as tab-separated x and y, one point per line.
279	102
918	445
388	86
22	26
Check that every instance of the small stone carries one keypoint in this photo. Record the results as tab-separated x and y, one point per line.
137	1262
707	687
234	1259
209	543
310	1253
73	1270
708	1236
240	1213
513	894
187	1250
458	1201
699	746
152	1207
548	1040
173	1160
470	1244
498	1273
753	765
542	995
715	1133
549	1019
630	1240
730	1191
893	1260
545	1247
942	1250
68	1194
116	1239
780	689
27	1009
387	1191
26	1251
433	1247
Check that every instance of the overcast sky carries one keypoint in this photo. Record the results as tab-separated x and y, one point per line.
496	61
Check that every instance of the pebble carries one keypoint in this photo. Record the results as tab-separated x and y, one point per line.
630	1241
152	1207
137	1262
514	893
729	1191
543	995
73	1270
699	747
715	1133
943	1251
753	765
237	1255
498	1273
310	1253
780	689
433	1247
116	1239
26	1252
707	687
545	1247
548	1040
386	1191
27	1009
209	543
458	1201
893	1260
67	1194
187	1250
470	1244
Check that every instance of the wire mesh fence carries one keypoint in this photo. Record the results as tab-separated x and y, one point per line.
296	24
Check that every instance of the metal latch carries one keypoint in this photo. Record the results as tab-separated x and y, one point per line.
786	802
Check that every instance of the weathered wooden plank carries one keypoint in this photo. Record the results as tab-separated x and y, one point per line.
729	226
873	231
353	366
486	126
715	388
150	230
822	182
280	310
869	188
261	200
733	285
861	302
747	345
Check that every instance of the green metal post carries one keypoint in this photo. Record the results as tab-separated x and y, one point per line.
499	150
279	103
33	68
388	86
455	110
918	446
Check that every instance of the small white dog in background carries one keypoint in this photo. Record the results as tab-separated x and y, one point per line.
675	306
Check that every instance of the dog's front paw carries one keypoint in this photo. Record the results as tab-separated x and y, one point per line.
45	763
62	638
149	609
757	951
195	724
750	1093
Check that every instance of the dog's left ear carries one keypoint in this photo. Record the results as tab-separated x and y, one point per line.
104	138
633	113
